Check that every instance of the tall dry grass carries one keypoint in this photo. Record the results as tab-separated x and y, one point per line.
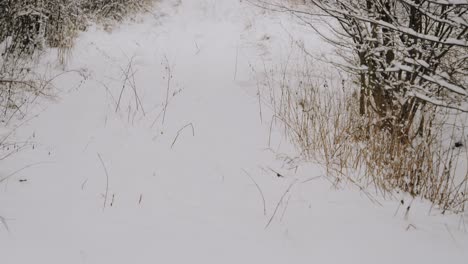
321	117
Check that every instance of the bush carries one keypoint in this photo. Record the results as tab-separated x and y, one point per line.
398	130
28	27
321	117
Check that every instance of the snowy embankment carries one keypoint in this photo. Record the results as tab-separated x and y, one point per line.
120	176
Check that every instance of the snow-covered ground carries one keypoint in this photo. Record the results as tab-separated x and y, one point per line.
108	184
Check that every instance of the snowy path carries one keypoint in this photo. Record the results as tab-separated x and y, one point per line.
184	198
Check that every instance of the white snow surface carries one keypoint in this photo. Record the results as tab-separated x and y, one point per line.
192	202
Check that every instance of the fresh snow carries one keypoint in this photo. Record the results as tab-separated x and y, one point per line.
189	190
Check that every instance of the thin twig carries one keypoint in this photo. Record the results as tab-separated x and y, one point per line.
109	92
125	73
237	58
196	46
83	184
285	208
137	97
259	103
107	181
180	130
451	235
280	202
19	170
5	224
279	175
311	179
259	190
169	78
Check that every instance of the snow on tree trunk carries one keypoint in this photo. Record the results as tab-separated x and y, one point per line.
408	53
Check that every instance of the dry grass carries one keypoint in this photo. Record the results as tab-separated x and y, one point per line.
28	27
321	117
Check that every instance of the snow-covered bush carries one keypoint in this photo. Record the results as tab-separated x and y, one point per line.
321	117
409	59
405	54
28	27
